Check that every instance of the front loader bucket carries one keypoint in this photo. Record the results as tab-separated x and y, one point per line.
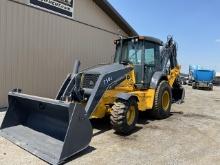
50	129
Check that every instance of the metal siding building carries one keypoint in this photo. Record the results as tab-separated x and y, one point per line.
38	48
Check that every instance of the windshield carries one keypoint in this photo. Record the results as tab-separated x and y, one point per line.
131	51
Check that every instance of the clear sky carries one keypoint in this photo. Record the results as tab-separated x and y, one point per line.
195	25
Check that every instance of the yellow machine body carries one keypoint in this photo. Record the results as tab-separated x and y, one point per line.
145	97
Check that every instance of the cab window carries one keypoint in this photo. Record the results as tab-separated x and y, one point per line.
149	56
149	53
129	51
134	56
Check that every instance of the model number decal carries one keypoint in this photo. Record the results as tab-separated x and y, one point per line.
107	80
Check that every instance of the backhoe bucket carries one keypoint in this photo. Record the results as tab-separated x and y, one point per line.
50	129
178	95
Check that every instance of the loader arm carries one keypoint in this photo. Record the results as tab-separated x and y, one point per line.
71	84
109	77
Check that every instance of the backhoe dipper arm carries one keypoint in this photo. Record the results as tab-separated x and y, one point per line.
169	52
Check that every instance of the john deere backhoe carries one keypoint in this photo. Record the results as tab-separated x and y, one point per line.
143	77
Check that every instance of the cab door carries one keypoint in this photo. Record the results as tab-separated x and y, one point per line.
151	61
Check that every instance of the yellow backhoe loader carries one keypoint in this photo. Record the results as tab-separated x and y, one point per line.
143	77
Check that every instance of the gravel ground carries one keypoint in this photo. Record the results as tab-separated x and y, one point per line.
191	135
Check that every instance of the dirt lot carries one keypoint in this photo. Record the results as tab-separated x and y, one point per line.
190	136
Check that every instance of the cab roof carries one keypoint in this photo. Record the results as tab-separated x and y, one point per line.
146	38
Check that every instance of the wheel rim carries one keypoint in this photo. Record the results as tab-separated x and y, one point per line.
130	115
165	100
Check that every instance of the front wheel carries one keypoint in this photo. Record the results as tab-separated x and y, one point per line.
162	101
124	116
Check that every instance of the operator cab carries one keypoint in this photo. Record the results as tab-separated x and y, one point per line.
143	53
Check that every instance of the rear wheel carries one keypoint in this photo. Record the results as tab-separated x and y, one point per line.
124	116
162	101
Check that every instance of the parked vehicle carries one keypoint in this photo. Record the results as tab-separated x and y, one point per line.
191	70
203	78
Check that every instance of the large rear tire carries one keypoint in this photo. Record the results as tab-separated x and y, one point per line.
162	101
124	116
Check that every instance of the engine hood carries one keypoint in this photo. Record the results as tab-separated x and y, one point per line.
105	69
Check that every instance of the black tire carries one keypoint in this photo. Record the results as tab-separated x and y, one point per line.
211	87
119	119
193	85
159	111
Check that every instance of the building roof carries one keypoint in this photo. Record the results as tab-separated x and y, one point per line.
116	17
